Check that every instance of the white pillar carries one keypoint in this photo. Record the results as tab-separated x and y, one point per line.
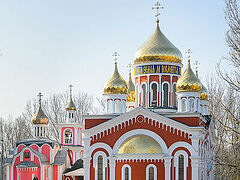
167	164
86	165
114	107
112	165
195	167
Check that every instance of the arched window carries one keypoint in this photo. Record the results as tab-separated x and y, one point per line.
151	172
118	106
165	95
192	105
144	91
68	136
154	94
181	167
100	168
126	172
174	96
184	105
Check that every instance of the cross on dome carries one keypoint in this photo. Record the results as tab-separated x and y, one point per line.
157	7
129	66
40	98
115	55
70	87
196	63
189	52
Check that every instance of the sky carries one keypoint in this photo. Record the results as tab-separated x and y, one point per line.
47	45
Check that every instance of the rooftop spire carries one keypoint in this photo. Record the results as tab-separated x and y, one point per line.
115	55
196	63
189	52
40	98
70	105
157	7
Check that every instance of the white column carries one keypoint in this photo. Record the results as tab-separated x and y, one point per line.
107	103
114	107
167	164
112	165
86	165
188	104
195	167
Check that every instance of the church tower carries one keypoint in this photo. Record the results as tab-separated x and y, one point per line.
130	91
115	92
157	67
70	108
40	121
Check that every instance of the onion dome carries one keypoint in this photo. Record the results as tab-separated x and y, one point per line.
70	105
157	49
189	82
39	117
116	84
204	93
140	144
131	90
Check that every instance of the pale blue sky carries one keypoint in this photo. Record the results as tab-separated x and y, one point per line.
48	44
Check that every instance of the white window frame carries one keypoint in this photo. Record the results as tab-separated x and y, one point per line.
182	102
175	160
95	163
169	89
175	93
64	136
192	103
155	171
146	102
123	172
151	91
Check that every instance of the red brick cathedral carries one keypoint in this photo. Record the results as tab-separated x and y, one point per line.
157	129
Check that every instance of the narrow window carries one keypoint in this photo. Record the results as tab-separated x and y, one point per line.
165	95
72	115
143	95
126	173
191	105
184	106
69	115
68	136
181	167
154	95
174	96
151	173
100	168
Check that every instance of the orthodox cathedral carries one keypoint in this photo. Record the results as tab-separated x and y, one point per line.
157	128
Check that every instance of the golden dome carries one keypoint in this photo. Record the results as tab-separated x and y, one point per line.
157	49
116	84
140	144
204	93
131	90
70	105
39	117
189	82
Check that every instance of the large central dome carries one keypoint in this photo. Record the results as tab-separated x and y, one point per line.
157	49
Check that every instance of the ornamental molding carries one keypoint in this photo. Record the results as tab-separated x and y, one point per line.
121	121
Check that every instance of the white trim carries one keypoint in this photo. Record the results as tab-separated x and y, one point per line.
155	171
95	163
99	145
169	89
182	144
130	171
176	163
141	90
151	91
149	133
64	135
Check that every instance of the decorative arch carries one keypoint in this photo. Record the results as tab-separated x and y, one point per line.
100	145
95	163
144	95
155	171
130	171
125	136
182	144
153	90
164	95
176	162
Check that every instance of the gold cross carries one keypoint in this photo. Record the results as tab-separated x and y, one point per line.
129	66
70	87
115	55
189	52
196	63
157	8
40	98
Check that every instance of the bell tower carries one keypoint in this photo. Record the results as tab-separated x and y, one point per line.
70	107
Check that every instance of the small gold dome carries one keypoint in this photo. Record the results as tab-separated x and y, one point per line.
189	82
204	93
39	117
131	90
70	105
140	144
157	49
116	84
